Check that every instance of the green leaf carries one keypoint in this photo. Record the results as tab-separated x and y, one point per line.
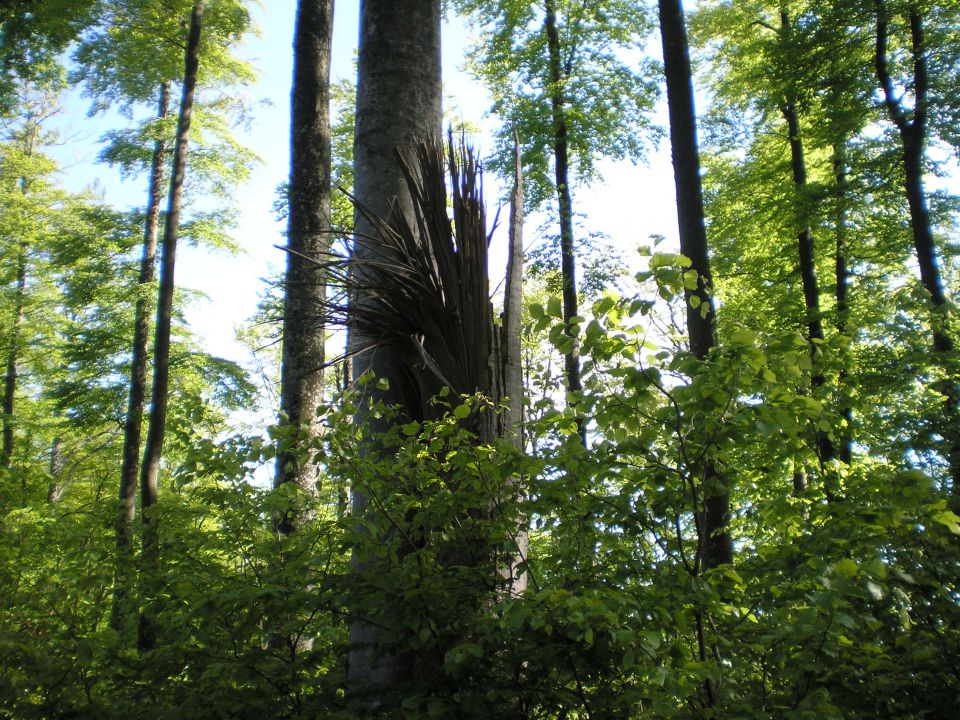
949	519
845	567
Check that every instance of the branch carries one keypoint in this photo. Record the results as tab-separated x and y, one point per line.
883	71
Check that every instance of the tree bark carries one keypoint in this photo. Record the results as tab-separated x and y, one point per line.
568	270
161	346
308	239
510	357
717	548
133	424
398	102
913	138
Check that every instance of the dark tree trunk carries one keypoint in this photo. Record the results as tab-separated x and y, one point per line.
308	238
133	425
717	548
913	138
568	269
13	357
161	345
805	247
808	269
398	102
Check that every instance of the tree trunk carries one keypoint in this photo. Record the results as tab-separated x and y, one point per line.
308	238
805	248
913	138
717	548
398	102
510	355
161	346
16	327
13	356
568	270
133	424
808	270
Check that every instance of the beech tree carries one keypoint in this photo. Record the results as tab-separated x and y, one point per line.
558	79
309	235
912	128
32	35
27	201
670	570
110	66
398	102
146	637
716	543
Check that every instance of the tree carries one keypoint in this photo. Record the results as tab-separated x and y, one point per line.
912	127
398	68
32	34
26	227
562	183
146	639
309	234
110	64
129	470
560	82
716	543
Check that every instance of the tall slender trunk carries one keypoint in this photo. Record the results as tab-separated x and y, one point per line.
805	247
842	275
510	359
568	269
398	102
16	326
913	138
133	424
13	356
308	238
161	346
713	520
808	270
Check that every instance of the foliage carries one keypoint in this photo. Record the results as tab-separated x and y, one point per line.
31	36
842	601
618	621
608	100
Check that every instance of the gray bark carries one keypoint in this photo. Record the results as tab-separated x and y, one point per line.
510	357
398	102
55	490
308	238
842	276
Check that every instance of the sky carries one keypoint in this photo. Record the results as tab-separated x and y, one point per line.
233	284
